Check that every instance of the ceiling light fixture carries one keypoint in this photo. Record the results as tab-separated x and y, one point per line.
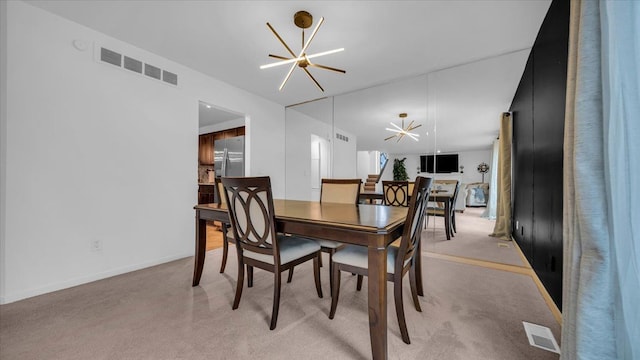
402	131
303	20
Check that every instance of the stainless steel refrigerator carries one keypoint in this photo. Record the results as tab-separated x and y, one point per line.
229	156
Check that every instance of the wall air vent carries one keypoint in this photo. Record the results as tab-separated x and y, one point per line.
115	58
133	64
342	137
169	77
152	71
110	57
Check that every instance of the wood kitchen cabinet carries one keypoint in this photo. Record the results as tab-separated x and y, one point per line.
206	194
205	149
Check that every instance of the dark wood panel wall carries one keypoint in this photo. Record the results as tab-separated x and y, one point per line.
538	129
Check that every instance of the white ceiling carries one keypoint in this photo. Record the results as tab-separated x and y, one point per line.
384	41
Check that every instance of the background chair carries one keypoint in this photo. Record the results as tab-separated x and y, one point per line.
400	260
250	205
227	236
396	193
340	191
452	186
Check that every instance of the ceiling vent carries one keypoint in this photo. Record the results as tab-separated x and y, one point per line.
128	63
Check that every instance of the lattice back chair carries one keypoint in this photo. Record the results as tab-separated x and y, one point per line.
400	260
252	217
339	191
227	234
396	193
439	208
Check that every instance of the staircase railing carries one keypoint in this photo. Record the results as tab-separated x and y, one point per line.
383	158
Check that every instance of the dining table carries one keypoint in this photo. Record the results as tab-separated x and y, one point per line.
441	196
372	226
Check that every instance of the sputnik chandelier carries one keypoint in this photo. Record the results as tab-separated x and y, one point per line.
400	132
303	20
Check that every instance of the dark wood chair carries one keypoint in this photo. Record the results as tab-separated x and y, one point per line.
396	193
227	235
252	217
341	191
400	260
439	209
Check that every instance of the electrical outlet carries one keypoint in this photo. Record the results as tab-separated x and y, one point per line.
517	225
96	245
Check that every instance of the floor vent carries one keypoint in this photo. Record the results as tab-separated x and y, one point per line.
503	245
115	58
541	337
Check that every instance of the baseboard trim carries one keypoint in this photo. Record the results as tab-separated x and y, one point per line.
21	295
557	314
482	263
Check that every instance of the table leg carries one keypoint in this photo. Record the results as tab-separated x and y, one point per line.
377	292
447	219
201	247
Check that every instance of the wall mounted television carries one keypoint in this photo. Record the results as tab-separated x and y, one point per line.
447	163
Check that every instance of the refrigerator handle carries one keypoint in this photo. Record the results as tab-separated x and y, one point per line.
224	162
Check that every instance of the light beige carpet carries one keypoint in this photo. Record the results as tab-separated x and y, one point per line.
468	313
471	239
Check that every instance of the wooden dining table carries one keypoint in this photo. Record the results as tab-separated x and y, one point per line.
445	197
373	226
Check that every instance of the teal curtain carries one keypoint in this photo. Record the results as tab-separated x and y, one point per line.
601	289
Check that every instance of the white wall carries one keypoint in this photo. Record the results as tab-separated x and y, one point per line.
94	152
363	159
344	156
3	142
299	129
470	160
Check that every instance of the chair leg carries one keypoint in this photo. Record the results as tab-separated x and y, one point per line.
276	299
453	220
316	274
290	277
249	276
335	291
331	269
225	249
239	283
397	292
414	287
359	283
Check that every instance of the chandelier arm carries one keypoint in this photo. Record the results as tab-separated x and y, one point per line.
397	127
281	57
327	67
281	41
287	77
413	136
314	79
394	130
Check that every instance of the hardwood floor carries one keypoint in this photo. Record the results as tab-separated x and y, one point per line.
214	236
